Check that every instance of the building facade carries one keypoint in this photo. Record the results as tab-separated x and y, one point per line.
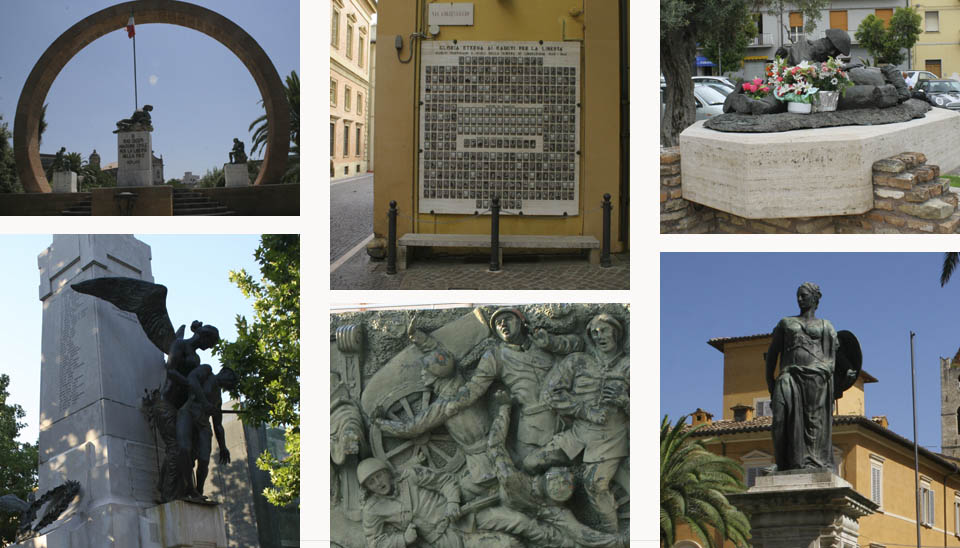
471	113
938	48
871	456
776	29
371	127
349	85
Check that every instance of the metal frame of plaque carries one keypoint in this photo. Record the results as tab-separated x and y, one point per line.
500	118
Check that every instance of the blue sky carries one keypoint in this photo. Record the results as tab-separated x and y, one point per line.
194	268
880	297
202	94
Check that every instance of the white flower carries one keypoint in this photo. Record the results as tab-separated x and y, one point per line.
833	81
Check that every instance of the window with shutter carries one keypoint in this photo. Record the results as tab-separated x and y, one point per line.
931	21
838	19
885	15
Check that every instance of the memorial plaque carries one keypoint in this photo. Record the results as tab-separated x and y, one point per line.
500	119
134	158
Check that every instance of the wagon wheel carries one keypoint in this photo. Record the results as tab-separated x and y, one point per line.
434	449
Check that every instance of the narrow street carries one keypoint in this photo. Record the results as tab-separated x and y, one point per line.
351	214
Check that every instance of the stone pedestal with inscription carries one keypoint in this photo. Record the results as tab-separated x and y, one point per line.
236	175
182	524
96	363
134	158
64	181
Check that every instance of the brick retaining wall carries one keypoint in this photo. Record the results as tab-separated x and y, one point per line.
909	198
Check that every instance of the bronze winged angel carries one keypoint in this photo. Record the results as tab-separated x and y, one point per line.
182	409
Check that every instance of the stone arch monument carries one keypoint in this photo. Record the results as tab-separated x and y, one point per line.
74	39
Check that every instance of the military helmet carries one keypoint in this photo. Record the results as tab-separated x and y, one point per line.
840	40
506	310
369	467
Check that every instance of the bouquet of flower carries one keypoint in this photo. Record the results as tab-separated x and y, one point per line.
796	83
830	77
756	88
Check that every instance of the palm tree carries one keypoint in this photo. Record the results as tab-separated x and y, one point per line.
693	486
950	261
259	126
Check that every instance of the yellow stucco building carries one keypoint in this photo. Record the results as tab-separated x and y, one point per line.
874	459
458	129
938	47
349	85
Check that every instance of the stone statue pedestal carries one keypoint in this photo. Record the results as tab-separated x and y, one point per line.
803	509
182	524
95	364
64	181
236	174
134	158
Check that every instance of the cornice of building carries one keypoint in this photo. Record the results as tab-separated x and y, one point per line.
348	72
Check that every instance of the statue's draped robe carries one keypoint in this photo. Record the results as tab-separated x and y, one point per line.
802	398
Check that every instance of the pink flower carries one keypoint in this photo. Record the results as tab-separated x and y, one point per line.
794	70
779	78
757	81
749	87
765	89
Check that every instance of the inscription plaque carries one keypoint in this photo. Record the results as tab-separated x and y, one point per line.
72	385
500	119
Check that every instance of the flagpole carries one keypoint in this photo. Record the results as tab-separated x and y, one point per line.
136	101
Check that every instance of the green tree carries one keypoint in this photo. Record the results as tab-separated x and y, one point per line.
885	44
686	23
43	125
266	356
9	180
93	177
729	50
950	262
261	131
212	178
18	461
693	486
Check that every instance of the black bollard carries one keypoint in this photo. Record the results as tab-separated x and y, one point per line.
392	238
495	234
605	251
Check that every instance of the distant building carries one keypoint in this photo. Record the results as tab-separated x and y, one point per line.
157	169
349	85
373	89
775	29
94	160
938	47
238	486
189	179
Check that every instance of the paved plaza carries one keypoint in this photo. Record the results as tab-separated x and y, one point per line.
535	272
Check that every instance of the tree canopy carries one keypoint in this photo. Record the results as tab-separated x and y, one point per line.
886	44
261	131
18	461
266	357
9	181
693	486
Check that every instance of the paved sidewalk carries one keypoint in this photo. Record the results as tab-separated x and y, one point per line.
535	272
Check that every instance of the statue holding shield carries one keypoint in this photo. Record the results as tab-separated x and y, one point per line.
816	365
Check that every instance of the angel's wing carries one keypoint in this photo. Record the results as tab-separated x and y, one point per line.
147	300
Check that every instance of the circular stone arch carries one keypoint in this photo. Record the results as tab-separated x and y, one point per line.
26	125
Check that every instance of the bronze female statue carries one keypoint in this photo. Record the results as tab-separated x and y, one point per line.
810	379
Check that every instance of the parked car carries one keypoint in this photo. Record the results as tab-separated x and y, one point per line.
723	89
939	93
911	77
709	101
715	81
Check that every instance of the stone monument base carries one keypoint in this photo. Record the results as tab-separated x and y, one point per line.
236	175
64	181
182	524
807	172
134	158
803	509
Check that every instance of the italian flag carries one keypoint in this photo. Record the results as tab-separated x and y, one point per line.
130	32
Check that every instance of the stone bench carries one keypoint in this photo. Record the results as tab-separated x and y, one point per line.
506	241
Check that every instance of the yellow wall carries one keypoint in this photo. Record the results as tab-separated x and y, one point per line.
893	526
397	136
744	379
943	45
